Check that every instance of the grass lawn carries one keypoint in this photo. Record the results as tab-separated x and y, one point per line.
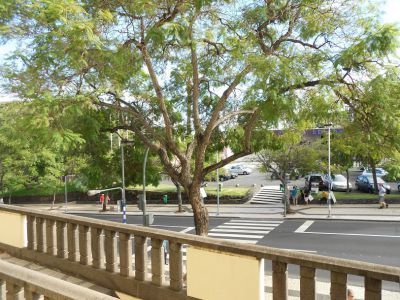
226	191
357	195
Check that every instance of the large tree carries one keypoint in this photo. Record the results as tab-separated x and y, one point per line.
187	75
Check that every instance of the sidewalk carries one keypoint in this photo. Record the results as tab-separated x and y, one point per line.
359	212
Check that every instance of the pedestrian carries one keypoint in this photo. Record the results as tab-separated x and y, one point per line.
350	294
382	192
165	245
103	202
293	194
324	197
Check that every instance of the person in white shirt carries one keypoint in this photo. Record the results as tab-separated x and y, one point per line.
382	192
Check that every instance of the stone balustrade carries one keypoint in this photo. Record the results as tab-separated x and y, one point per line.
130	258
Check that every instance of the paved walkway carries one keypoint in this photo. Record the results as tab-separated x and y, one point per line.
368	212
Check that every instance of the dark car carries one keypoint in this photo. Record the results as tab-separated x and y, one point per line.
315	179
366	184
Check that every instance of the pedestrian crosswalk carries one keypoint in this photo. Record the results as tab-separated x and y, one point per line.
246	231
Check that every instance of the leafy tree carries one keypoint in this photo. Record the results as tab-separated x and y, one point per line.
374	133
189	75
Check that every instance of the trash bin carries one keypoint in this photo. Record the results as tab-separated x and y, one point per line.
165	199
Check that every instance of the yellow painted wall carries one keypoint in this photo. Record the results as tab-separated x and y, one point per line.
220	275
12	229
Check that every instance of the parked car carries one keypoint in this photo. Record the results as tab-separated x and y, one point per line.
379	172
366	184
398	186
338	182
240	170
315	179
226	176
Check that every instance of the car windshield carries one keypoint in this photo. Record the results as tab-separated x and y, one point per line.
339	177
315	178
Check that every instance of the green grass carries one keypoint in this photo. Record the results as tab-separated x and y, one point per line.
357	195
226	191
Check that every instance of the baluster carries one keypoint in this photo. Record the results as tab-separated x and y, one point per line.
97	241
111	251
157	262
61	240
84	245
125	254
73	242
31	233
338	285
373	288
40	235
140	257
30	295
14	291
279	280
2	289
307	283
175	266
51	236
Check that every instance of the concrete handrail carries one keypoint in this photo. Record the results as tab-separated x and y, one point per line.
42	284
365	269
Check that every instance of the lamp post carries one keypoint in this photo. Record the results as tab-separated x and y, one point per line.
329	170
217	188
144	186
123	184
66	191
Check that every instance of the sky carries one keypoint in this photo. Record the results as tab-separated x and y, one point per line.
391	9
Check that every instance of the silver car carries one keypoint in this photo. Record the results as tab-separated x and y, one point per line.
338	182
240	170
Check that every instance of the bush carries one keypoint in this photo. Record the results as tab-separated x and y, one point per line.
393	172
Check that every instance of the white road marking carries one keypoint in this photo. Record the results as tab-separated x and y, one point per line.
236	235
187	229
244	227
255	221
251	224
354	234
240	231
304	226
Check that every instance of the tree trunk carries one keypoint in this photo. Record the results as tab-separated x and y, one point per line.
200	212
9	198
373	167
348	180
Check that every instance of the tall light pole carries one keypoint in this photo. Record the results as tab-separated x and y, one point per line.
66	191
123	184
329	170
217	187
144	186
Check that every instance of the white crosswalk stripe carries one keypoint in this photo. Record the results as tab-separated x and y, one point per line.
244	230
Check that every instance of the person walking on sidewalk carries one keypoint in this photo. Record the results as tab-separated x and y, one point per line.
382	192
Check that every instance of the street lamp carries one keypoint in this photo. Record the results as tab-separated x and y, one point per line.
329	125
66	191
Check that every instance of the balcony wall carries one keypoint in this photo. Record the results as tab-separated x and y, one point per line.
130	259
